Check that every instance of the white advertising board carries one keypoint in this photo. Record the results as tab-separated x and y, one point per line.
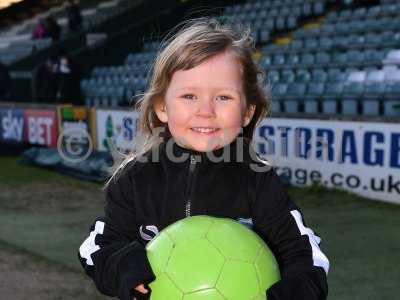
117	127
361	157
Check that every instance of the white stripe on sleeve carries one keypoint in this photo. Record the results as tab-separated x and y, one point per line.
89	246
319	258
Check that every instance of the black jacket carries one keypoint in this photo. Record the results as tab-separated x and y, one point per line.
153	192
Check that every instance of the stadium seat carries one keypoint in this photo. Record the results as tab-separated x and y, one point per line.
333	91
322	58
278	59
287	76
307	9
295	93
303	76
280	23
373	96
336	75
293	59
276	105
307	59
319	75
319	7
325	42
352	93
279	89
392	100
273	76
311	43
296	45
315	90
375	76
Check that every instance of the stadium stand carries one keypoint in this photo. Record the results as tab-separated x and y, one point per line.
16	42
346	64
321	56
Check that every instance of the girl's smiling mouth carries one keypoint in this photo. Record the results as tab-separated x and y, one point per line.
205	130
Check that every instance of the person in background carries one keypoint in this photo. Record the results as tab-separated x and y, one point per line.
44	80
74	16
52	29
39	31
68	80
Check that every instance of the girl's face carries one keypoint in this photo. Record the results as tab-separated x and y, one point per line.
205	107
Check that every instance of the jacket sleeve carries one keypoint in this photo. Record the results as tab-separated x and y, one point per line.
112	254
279	222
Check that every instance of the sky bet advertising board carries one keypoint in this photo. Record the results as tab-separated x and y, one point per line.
361	157
11	125
115	129
41	127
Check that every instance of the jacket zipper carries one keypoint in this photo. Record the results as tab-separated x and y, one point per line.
192	168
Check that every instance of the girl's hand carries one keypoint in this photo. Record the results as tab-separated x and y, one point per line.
140	288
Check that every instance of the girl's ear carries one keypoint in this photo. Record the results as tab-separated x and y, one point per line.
248	115
161	111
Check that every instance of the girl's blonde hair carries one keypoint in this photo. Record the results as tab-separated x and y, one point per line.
194	42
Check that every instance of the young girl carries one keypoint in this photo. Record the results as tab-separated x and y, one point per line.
197	121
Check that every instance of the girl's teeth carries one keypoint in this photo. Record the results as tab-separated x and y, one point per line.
204	130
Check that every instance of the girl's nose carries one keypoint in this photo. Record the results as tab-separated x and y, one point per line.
206	108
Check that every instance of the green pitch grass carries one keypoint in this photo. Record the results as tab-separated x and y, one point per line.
47	215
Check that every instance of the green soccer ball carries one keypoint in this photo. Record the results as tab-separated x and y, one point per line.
207	258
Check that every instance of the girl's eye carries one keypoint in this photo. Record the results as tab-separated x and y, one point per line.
189	97
224	98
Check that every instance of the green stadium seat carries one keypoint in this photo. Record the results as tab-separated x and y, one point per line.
287	76
336	75
273	76
280	23
353	92
264	35
296	45
319	75
327	28
339	58
307	9
315	90
291	22
360	12
276	105
392	100
307	59
374	11
311	43
333	92
279	89
303	76
325	42
295	94
292	59
373	39
322	58
278	59
296	10
374	95
319	7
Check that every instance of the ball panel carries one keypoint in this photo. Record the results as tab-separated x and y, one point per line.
238	281
211	294
163	288
195	265
159	251
234	240
189	228
267	269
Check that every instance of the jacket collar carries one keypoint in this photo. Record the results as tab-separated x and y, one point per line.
236	151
